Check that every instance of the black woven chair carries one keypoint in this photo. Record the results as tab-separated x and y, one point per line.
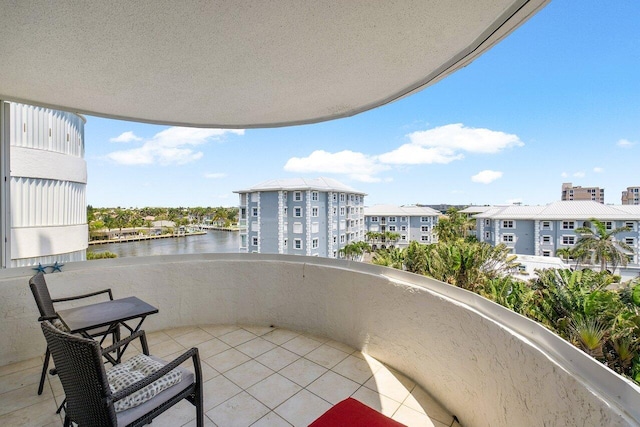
90	401
45	303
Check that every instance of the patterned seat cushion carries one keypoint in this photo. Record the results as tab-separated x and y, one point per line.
59	325
125	374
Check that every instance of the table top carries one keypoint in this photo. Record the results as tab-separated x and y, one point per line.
106	313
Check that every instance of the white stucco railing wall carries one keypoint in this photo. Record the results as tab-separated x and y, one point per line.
485	364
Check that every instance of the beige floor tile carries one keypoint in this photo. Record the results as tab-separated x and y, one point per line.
192	423
356	369
391	384
333	387
327	356
181	330
21	379
411	418
226	360
165	348
179	414
23	397
192	339
258	330
301	345
303	372
271	420
273	390
277	358
256	347
41	414
218	330
340	346
154	338
248	374
211	348
421	401
20	366
280	336
217	390
302	409
237	337
241	410
315	337
380	403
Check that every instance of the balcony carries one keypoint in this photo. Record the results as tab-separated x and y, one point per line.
452	351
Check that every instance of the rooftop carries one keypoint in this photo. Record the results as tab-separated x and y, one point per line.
385	210
575	209
319	184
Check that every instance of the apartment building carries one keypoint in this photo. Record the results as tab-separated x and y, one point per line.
569	192
542	230
631	196
409	222
314	217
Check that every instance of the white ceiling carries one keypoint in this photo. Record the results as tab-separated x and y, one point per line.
240	63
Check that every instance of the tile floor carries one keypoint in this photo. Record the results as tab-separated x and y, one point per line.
253	376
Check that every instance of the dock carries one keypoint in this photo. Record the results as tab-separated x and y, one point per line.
138	238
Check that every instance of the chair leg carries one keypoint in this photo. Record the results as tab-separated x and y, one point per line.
47	355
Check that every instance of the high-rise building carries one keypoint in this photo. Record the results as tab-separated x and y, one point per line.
315	217
631	196
569	192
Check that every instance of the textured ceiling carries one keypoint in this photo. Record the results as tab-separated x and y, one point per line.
239	63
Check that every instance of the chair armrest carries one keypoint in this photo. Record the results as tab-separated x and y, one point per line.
191	353
75	297
139	334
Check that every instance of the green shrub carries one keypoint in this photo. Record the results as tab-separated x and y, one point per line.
101	255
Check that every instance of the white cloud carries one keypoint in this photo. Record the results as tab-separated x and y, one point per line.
579	174
447	143
598	169
357	166
214	175
564	174
126	137
514	201
171	146
625	143
486	176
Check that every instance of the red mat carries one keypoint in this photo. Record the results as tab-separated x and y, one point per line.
351	413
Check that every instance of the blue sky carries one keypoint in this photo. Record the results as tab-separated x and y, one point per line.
557	101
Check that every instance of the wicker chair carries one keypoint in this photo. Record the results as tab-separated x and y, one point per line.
45	303
90	401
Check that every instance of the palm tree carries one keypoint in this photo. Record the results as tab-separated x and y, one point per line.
454	225
601	246
391	257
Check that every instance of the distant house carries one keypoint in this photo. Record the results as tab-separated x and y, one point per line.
542	230
409	222
316	217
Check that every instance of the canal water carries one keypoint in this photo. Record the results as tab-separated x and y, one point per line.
213	241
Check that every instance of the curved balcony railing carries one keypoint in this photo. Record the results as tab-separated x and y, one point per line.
482	362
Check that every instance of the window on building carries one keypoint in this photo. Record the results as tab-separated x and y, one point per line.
314	244
335	254
342	211
568	240
507	224
392	219
609	225
424	238
403	237
374	219
507	238
297	196
254	241
403	219
285	243
254	211
568	225
342	238
629	224
546	239
392	228
546	253
487	222
335	197
424	219
315	227
424	228
629	241
297	227
297	212
546	225
403	228
297	243
314	212
255	197
335	211
314	196
487	235
351	197
342	197
285	211
335	239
